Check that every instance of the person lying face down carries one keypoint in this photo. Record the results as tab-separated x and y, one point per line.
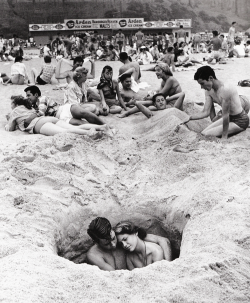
106	255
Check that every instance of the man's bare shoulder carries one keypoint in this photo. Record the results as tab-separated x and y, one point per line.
95	251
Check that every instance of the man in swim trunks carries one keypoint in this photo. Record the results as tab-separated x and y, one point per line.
106	255
169	58
129	66
120	40
217	53
139	39
181	35
234	118
71	113
230	37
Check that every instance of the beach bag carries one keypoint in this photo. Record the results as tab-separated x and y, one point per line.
245	83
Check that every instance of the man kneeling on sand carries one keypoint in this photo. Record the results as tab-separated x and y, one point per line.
107	256
234	118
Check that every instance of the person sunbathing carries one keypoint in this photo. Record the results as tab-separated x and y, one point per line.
106	255
170	89
109	92
140	252
48	126
160	103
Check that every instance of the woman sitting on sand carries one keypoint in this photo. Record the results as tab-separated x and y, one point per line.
140	253
49	126
109	89
19	72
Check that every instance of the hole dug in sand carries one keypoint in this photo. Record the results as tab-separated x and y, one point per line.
73	241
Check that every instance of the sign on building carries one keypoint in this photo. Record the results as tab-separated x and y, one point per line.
46	27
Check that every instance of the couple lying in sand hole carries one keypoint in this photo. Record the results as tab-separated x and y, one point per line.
126	246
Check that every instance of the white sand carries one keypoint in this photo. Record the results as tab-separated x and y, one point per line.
52	187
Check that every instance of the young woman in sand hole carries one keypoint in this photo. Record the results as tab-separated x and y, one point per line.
140	253
109	90
48	126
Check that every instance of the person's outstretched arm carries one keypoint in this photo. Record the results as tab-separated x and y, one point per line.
206	110
59	75
91	75
119	95
163	242
144	109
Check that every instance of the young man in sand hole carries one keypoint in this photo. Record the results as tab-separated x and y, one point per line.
234	118
106	255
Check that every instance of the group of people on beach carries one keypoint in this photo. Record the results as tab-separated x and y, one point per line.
85	102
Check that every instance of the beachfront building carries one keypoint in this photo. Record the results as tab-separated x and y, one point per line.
43	32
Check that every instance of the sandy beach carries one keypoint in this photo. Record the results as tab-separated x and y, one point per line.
175	183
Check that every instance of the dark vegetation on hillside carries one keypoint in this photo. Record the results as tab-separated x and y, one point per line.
16	15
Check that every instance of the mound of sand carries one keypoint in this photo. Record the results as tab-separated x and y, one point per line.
169	179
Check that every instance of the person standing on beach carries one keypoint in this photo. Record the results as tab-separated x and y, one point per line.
120	40
139	39
230	37
234	118
181	35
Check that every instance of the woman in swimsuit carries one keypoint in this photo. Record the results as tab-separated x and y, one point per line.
140	253
19	72
109	89
49	126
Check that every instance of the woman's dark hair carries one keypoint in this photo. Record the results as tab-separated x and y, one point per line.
157	95
18	59
204	73
20	100
127	227
108	68
99	228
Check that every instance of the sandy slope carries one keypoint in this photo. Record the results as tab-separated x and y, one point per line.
52	187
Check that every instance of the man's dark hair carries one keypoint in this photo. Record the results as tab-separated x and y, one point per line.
124	77
233	23
204	73
222	36
215	33
181	26
78	59
111	47
170	48
18	59
99	228
47	59
157	95
248	41
33	89
123	56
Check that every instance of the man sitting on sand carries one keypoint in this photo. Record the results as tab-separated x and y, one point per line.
128	66
106	255
70	113
234	118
